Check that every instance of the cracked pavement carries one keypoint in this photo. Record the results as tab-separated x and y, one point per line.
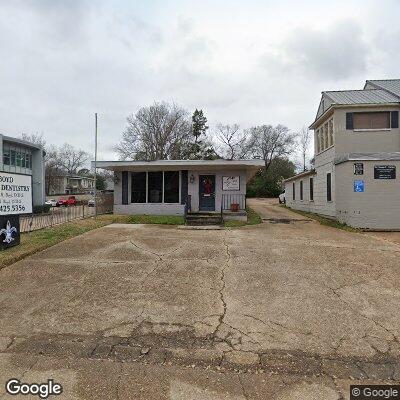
286	309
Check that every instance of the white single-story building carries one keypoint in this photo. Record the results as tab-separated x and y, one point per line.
175	187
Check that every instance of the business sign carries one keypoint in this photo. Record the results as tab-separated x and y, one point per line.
358	168
230	183
359	186
15	194
9	231
385	172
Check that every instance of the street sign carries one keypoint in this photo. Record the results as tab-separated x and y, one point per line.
359	186
15	194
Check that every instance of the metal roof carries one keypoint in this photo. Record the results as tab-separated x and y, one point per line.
372	96
389	85
374	92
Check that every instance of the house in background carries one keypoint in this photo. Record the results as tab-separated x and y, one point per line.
357	158
70	184
174	187
25	158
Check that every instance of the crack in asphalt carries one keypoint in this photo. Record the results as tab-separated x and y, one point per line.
245	394
222	287
287	328
355	311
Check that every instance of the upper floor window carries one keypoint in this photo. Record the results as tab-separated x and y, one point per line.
372	120
324	136
17	157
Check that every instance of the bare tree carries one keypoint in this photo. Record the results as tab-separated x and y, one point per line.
232	140
304	141
70	159
160	131
53	168
34	138
269	142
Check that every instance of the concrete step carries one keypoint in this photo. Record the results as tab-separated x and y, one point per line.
199	219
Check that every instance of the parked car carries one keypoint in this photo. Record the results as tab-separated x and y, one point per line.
91	203
51	202
71	201
282	198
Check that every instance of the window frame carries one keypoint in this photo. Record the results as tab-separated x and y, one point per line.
325	136
162	186
145	188
372	129
301	190
173	174
311	188
329	187
294	191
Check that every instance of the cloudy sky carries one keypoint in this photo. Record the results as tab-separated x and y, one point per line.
248	62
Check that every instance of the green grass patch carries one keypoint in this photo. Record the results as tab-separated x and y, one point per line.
252	219
39	240
156	219
323	220
42	239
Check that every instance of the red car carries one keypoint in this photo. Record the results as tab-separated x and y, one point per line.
71	201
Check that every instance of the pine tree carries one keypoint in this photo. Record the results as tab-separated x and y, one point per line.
199	126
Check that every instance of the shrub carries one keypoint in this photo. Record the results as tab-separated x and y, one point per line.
45	208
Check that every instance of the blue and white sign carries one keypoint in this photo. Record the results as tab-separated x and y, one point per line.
359	186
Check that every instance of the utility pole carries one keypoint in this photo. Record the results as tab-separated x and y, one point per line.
95	165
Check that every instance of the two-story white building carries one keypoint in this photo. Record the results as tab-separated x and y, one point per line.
356	176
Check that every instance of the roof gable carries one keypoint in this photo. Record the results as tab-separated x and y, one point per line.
389	85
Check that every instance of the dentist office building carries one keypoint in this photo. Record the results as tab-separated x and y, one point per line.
356	173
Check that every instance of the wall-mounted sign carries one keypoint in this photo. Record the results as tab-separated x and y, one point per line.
15	194
230	183
358	168
9	231
385	172
359	186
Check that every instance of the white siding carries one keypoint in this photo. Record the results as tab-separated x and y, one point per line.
378	207
193	188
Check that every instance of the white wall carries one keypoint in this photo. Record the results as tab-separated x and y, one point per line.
172	209
378	207
193	188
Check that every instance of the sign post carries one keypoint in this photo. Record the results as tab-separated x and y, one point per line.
15	199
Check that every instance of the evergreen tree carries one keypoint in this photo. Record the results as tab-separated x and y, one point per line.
199	126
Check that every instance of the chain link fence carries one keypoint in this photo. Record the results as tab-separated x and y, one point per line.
61	215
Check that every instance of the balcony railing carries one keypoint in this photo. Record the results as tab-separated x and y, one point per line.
233	202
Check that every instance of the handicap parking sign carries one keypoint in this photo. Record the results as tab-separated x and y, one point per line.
359	186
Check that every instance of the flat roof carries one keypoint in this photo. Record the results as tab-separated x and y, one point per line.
179	164
21	142
301	175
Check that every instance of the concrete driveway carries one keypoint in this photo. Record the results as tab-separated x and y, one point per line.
286	309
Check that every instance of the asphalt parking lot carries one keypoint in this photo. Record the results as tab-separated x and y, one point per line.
285	309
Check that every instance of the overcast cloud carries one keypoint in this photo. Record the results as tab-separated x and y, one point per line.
250	62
